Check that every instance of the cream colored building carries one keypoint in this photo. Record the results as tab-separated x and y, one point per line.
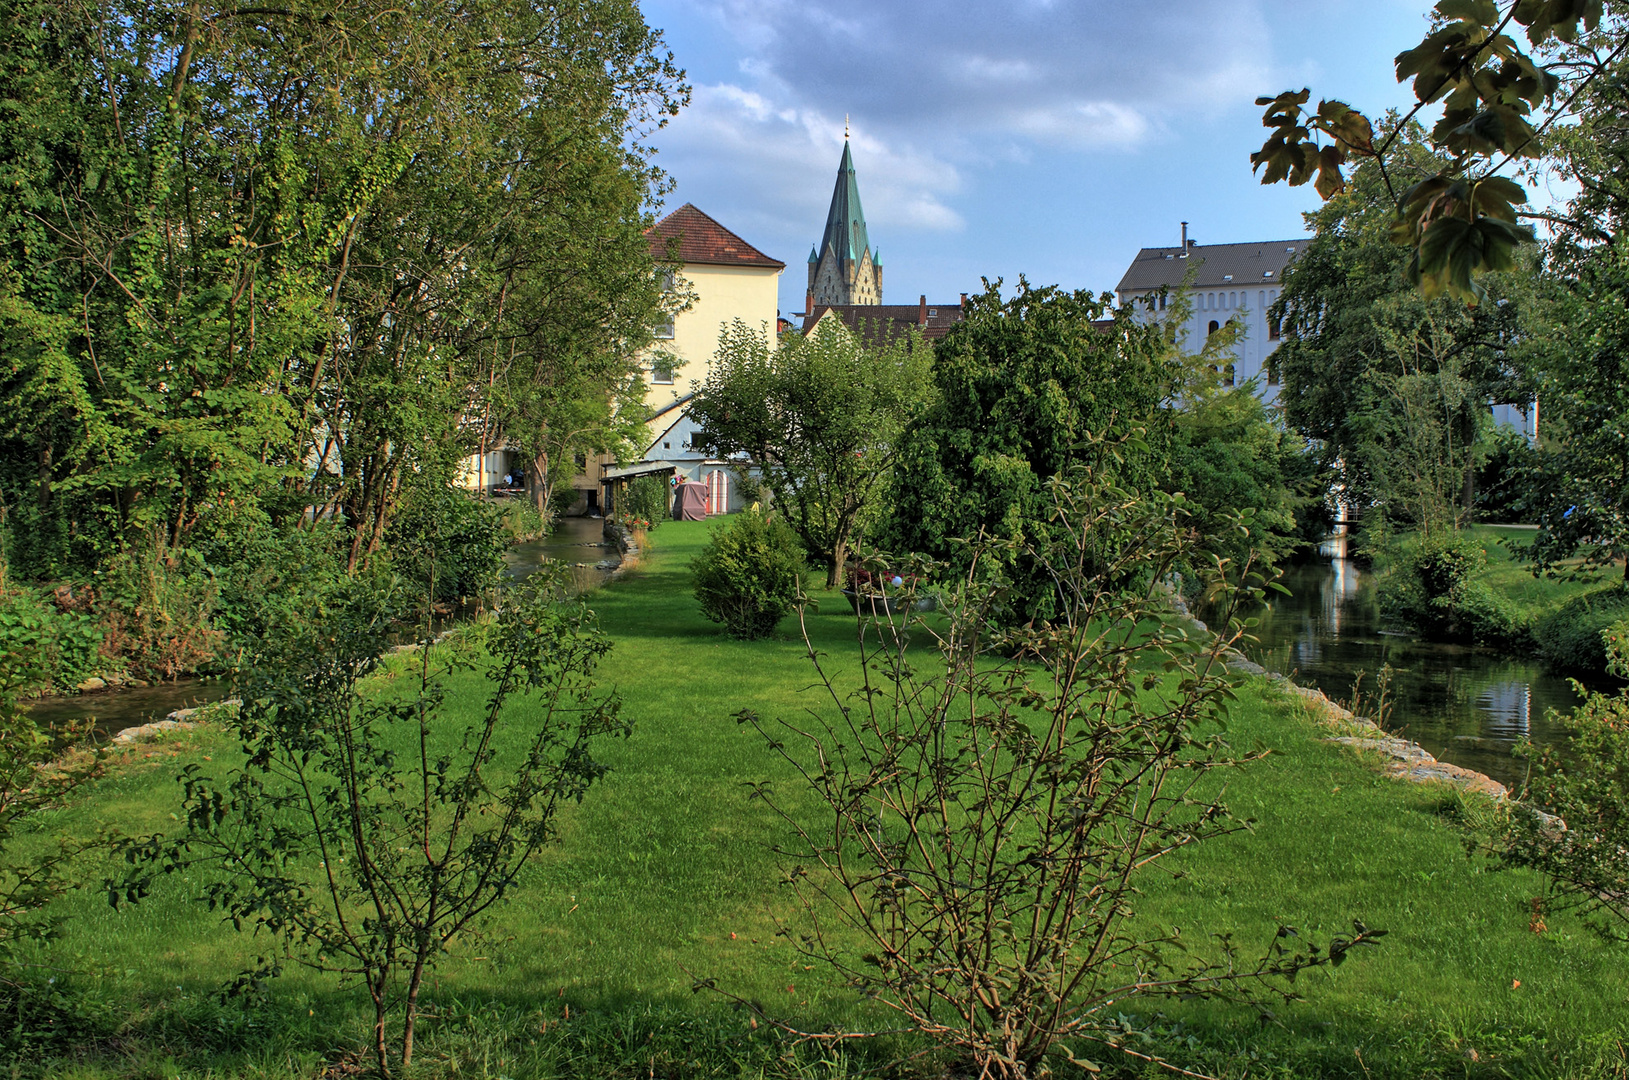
725	279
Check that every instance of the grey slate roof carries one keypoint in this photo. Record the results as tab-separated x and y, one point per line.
1249	264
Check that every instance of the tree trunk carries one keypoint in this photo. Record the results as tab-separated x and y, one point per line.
839	556
376	989
414	983
537	483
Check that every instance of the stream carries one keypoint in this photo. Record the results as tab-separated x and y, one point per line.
576	541
1467	706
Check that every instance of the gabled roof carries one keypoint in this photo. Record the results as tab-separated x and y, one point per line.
881	323
1248	264
703	240
845	222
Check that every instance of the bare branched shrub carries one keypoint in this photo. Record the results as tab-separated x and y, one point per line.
987	808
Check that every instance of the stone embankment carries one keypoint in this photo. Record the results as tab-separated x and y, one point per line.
179	720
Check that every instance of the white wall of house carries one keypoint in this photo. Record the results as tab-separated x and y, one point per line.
1246	302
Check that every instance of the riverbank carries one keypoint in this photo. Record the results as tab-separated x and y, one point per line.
665	873
1476	588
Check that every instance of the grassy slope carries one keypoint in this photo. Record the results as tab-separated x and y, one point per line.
668	859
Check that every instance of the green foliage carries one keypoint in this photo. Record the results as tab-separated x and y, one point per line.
367	860
1026	389
1392	388
46	646
451	537
1586	785
820	418
750	575
984	815
1572	638
1435	586
1578	483
1460	221
646	500
1228	452
299	259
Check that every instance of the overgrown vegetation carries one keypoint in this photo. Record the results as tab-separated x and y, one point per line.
276	270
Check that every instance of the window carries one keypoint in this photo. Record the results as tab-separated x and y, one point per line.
663	331
661	371
1214	326
1272	372
1227	375
1273	330
581	459
933	311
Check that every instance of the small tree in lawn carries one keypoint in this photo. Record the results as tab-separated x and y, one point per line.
984	813
819	416
749	575
363	829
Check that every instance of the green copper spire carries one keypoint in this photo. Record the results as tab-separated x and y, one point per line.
845	221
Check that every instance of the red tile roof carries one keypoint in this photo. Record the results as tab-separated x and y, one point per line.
703	240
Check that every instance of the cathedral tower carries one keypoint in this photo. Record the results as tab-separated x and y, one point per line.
843	269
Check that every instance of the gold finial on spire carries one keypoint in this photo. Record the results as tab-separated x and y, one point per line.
845	127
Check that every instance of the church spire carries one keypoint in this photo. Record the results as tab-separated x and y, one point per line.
848	269
845	221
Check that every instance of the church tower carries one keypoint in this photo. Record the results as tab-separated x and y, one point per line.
843	269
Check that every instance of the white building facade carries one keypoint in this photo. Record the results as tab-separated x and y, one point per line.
1230	283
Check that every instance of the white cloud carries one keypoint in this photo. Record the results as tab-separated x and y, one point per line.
772	166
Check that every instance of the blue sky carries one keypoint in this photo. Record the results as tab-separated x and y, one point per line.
1051	138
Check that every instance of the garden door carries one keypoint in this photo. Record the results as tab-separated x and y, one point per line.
718	492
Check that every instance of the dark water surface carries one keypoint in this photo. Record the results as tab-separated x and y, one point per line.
574	540
1467	706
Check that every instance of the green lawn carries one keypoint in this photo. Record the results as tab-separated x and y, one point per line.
665	874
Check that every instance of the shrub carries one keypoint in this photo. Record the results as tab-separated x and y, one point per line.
646	499
454	534
749	576
1570	639
1434	587
1586	785
46	647
973	821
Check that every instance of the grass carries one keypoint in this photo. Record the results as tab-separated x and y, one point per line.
1509	576
664	874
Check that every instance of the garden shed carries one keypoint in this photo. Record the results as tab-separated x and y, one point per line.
614	481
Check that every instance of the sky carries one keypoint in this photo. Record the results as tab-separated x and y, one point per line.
1049	138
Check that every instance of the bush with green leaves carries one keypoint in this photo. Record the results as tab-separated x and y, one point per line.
645	500
1584	784
1434	586
1571	637
47	647
447	535
750	574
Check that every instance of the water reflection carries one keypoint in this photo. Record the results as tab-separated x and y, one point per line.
1465	705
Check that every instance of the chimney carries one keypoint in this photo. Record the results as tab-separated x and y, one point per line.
964	299
1184	236
922	311
808	303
